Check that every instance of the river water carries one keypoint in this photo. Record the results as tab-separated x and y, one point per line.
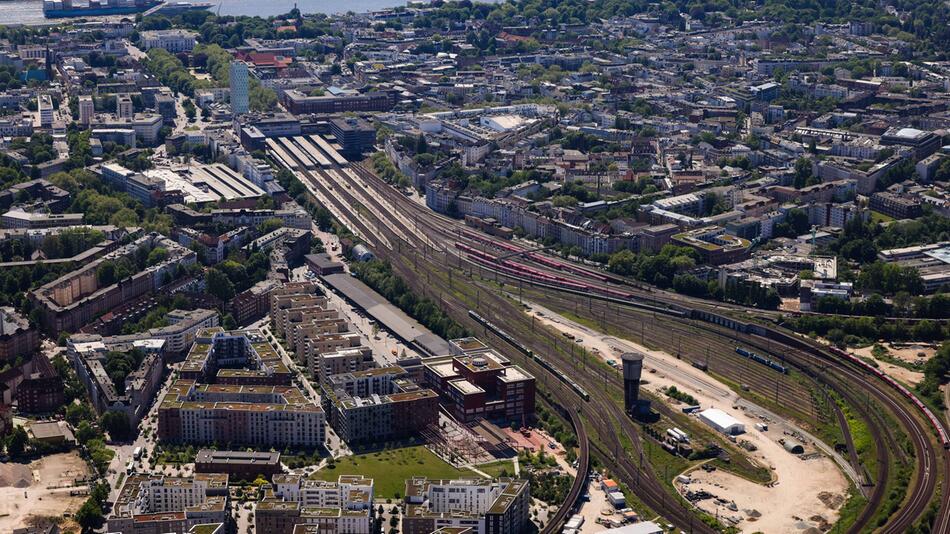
31	11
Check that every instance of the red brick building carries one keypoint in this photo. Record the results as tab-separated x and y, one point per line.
477	382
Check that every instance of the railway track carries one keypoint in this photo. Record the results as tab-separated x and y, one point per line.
440	229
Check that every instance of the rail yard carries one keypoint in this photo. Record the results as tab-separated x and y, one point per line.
478	276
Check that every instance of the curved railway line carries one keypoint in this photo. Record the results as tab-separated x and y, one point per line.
439	233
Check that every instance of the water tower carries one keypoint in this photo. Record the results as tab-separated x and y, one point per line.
632	368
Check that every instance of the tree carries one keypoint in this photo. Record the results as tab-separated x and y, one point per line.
105	274
156	256
190	110
16	442
116	424
622	262
219	285
76	413
85	432
89	515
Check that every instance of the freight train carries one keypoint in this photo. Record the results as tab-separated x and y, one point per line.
762	359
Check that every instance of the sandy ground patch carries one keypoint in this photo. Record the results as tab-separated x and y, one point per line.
907	354
787	504
48	492
792	504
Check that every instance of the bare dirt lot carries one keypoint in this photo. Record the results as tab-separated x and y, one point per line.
903	352
40	489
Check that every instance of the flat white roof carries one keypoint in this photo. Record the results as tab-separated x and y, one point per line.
643	527
720	418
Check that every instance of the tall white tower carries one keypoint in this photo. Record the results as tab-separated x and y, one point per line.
239	88
87	110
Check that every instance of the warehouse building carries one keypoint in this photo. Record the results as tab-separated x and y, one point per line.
721	421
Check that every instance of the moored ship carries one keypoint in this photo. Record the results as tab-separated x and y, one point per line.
66	8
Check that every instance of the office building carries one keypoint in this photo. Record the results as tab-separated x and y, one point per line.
299	103
238	465
239	88
173	41
478	383
354	135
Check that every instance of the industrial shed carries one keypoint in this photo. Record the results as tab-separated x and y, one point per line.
722	421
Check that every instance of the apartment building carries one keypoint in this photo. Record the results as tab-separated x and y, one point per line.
76	298
17	337
19	218
484	506
268	416
149	504
238	357
253	303
343	506
341	361
896	206
378	405
90	355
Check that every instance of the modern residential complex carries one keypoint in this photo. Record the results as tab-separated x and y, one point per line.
378	405
147	504
343	506
484	506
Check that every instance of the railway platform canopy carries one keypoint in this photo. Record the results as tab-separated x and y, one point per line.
405	328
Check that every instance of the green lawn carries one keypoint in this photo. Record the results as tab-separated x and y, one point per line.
879	217
390	469
495	469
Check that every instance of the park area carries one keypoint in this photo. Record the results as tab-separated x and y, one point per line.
390	469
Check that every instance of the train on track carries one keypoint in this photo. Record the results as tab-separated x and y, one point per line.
791	340
580	287
928	413
762	359
517	269
530	354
